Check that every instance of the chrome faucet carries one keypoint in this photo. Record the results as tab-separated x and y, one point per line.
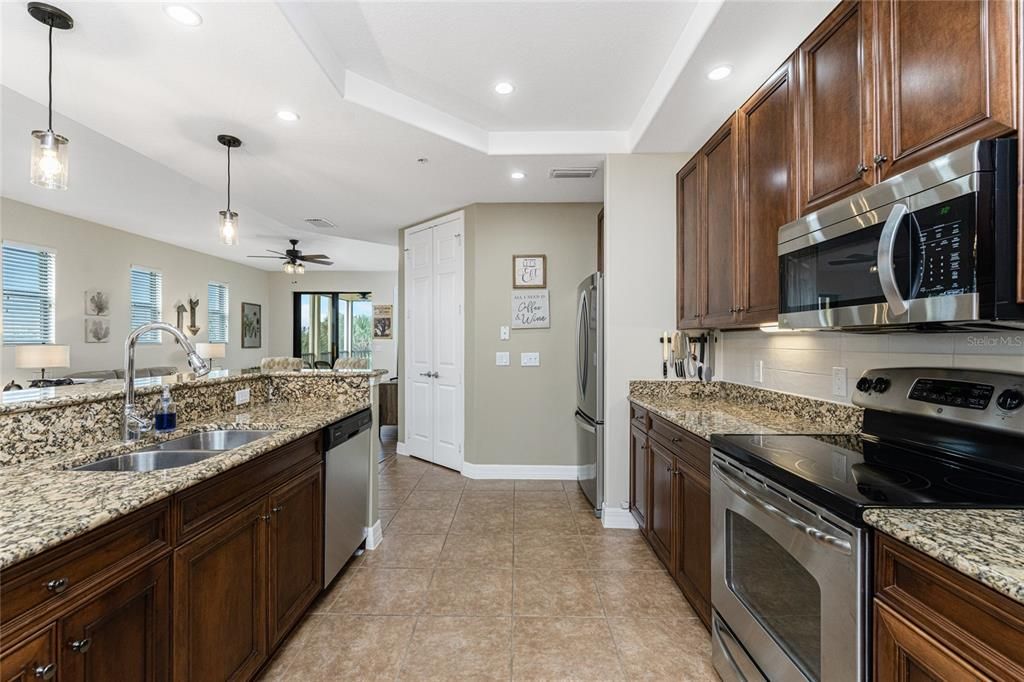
133	424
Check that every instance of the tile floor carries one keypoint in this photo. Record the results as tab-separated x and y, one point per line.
496	580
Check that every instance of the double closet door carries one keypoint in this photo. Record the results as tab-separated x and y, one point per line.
434	341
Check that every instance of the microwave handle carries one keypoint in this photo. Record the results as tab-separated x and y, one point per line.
886	268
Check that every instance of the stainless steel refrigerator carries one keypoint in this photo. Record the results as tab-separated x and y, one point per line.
590	388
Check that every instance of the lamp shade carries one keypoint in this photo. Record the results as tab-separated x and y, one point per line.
42	356
211	350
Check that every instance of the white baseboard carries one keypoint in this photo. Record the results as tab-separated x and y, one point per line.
614	517
374	535
400	449
556	472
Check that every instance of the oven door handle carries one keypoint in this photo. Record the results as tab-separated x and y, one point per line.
752	498
886	267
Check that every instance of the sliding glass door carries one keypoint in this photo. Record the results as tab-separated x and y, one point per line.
333	325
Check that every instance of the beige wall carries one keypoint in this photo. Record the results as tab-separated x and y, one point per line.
381	286
94	256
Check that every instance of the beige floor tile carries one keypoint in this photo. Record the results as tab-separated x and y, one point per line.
649	594
619	553
477	551
353	648
539	485
587	523
421	521
563	649
392	498
663	649
434	480
544	521
475	522
541	499
470	592
410	464
570	485
490	484
550	551
432	499
405	551
385	516
555	593
450	648
398	480
384	591
487	499
578	501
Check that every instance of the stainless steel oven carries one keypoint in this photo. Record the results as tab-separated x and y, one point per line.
934	246
786	583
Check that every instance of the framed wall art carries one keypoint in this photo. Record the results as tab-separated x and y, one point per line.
252	325
529	271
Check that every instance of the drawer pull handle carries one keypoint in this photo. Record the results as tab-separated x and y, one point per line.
677	440
80	645
57	585
45	672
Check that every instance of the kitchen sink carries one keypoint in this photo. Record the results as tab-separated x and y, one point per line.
177	452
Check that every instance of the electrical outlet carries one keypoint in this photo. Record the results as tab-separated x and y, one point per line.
501	359
503	334
242	396
839	381
529	359
759	371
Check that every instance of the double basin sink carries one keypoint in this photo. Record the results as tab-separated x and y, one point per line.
178	452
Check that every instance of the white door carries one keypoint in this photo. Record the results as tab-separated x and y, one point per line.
434	354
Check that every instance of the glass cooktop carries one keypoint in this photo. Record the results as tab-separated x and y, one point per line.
849	473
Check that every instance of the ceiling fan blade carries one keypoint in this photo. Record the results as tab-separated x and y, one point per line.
314	255
320	262
277	257
277	252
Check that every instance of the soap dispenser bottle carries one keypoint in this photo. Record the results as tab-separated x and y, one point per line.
165	417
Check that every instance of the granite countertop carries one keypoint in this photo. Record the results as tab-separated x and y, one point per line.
44	504
985	544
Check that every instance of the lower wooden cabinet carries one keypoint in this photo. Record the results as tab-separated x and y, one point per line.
691	567
661	471
32	659
638	466
904	652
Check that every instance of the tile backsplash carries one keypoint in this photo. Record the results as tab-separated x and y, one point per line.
802	362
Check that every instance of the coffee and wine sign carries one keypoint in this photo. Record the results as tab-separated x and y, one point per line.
530	309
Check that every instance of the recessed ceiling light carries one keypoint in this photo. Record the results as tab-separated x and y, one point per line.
518	175
289	116
504	88
422	160
719	72
183	15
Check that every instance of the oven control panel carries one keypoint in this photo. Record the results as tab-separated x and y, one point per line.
993	400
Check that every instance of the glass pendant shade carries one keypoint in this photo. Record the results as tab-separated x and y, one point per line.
300	269
229	228
289	268
49	160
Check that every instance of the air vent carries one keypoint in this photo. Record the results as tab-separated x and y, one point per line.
320	222
573	173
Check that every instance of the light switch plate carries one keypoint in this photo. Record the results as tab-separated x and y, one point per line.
242	396
529	359
501	359
839	381
759	371
503	334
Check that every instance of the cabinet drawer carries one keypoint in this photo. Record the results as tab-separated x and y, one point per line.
32	659
202	505
639	417
695	451
59	574
975	622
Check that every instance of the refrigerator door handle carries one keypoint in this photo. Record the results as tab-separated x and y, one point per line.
584	424
582	344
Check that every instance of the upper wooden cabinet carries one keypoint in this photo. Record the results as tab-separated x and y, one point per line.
836	106
688	241
766	128
945	77
718	175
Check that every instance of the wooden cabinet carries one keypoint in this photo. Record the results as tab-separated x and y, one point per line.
691	566
123	634
945	77
718	176
689	259
766	127
638	466
934	623
660	474
31	660
296	550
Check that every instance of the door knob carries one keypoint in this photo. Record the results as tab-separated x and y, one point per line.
437	375
80	645
426	374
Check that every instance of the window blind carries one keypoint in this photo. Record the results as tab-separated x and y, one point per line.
28	291
146	293
217	312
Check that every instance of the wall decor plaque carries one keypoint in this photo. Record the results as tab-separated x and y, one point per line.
530	310
529	271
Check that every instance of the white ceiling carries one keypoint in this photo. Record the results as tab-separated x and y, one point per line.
377	85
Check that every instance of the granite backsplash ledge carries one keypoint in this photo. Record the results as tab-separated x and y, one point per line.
72	420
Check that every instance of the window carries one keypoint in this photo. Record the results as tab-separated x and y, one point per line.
217	312
29	273
332	326
146	291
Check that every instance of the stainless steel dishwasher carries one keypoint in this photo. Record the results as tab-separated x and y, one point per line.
346	489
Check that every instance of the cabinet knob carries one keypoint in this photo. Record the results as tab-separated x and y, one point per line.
265	517
861	169
277	509
880	159
80	645
44	672
677	439
668	469
57	585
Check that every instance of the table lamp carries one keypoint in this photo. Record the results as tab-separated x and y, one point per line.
210	351
42	357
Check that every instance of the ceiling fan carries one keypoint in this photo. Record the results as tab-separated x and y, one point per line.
294	258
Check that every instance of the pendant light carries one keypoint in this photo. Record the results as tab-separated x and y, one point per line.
228	218
49	150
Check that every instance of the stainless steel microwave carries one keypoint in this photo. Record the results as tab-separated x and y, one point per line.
933	247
